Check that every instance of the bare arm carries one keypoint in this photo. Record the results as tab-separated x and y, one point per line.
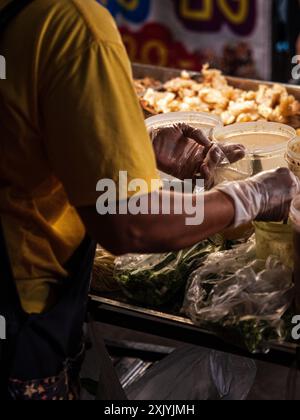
122	234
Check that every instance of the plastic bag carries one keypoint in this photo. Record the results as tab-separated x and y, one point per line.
192	373
233	289
155	279
103	272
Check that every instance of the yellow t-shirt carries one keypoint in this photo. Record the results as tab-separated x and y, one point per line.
68	118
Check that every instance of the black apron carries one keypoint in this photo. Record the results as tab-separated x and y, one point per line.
38	346
41	346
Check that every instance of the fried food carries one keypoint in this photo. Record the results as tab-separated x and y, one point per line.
141	85
213	93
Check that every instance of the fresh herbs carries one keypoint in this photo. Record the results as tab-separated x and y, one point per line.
154	280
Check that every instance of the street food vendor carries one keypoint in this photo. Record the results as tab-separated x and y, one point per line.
69	118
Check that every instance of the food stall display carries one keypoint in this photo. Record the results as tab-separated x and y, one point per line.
151	283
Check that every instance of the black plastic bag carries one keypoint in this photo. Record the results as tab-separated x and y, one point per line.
192	373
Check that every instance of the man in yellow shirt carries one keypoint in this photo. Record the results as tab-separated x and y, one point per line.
70	117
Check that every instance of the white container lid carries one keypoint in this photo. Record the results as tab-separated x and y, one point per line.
202	120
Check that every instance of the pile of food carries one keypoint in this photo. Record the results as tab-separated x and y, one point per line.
213	93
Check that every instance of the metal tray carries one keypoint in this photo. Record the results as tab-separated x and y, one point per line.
114	310
164	74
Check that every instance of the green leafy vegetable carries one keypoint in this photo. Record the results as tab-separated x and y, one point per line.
155	279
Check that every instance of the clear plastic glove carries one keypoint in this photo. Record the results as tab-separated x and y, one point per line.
266	197
187	153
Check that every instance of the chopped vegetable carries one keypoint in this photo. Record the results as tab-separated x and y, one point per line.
155	279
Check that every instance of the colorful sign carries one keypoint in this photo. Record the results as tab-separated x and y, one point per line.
214	14
234	35
135	11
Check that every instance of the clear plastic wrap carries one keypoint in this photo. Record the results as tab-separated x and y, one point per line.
155	279
234	289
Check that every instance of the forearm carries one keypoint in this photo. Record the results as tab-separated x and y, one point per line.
162	233
155	233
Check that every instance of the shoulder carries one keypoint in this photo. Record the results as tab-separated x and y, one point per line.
80	20
61	29
98	19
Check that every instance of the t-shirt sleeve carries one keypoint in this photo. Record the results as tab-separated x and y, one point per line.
93	125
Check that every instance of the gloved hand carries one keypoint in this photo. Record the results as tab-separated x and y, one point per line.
265	197
187	153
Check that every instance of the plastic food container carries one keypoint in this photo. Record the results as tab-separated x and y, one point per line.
295	219
293	156
238	171
275	239
295	213
265	142
202	120
205	121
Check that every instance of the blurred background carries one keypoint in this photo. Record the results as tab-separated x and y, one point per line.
244	38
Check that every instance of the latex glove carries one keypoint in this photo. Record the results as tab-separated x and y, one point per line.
265	197
187	153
